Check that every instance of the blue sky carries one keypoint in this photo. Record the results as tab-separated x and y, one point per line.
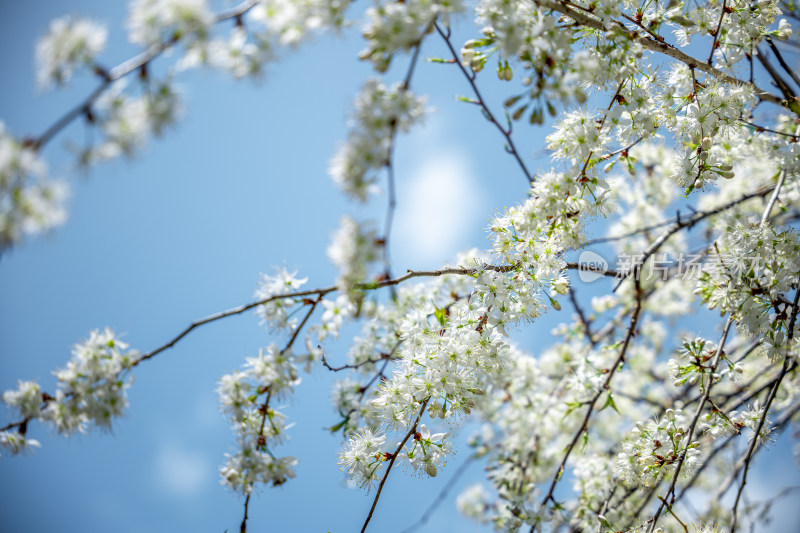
182	231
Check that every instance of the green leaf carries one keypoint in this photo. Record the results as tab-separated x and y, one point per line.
337	427
610	403
440	316
571	406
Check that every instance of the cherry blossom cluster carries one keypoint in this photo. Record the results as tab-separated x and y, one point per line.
30	203
752	281
354	248
245	397
68	44
654	448
654	138
91	391
277	311
379	112
391	27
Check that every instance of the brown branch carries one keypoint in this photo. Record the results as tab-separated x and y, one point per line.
392	460
603	390
699	215
471	79
787	92
692	426
587	329
440	497
243	527
134	64
759	129
600	127
767	405
715	35
790	71
655	45
383	357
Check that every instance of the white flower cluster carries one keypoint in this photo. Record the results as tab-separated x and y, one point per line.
236	55
352	251
474	502
716	425
380	112
69	43
349	400
448	356
654	449
29	203
126	121
533	236
760	264
276	313
704	121
576	137
363	458
245	397
396	26
695	365
266	27
288	22
91	390
378	343
741	28
152	22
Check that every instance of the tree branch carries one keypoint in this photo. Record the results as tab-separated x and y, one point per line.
391	462
471	79
123	69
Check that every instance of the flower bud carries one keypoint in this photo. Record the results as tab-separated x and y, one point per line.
430	469
467	56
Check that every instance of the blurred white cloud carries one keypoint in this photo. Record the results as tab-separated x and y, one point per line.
181	471
440	209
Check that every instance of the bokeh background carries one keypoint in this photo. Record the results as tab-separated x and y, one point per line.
238	187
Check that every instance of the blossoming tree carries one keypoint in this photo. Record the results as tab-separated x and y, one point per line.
659	108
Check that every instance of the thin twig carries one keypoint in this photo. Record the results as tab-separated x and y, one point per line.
688	436
604	389
790	71
136	63
757	194
507	134
392	460
440	497
774	197
786	363
584	19
392	193
587	329
243	527
715	43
